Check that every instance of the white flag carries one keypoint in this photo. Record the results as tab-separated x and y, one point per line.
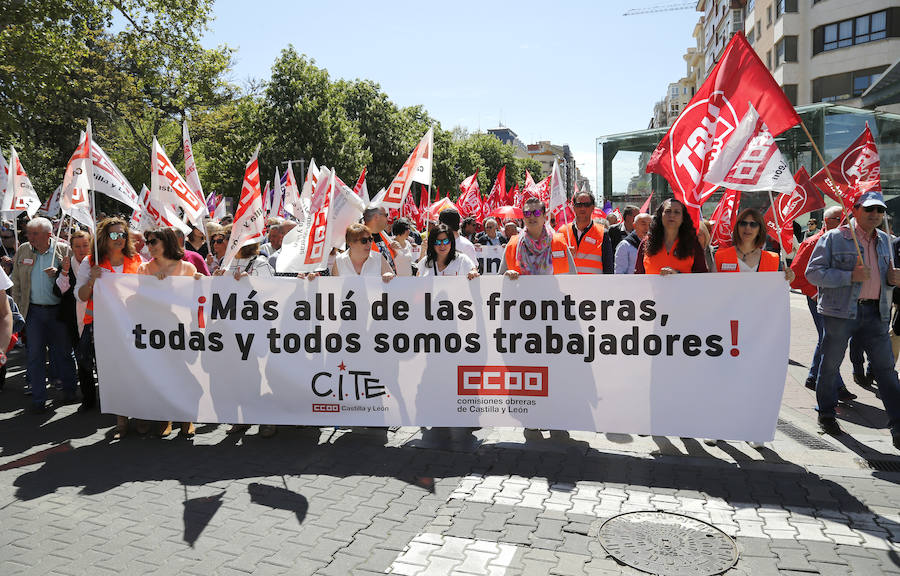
50	207
168	187
306	247
4	176
74	198
21	194
291	193
277	208
220	209
416	168
249	218
158	213
109	180
191	176
751	160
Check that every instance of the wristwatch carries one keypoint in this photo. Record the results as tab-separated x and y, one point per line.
2	358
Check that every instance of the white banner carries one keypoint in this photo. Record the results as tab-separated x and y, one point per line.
692	355
489	258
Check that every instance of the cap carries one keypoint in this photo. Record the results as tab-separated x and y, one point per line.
871	199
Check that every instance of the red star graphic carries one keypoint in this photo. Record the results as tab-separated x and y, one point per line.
341	366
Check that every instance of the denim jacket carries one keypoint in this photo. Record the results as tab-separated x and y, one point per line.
831	265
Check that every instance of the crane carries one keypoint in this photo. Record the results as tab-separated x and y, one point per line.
661	8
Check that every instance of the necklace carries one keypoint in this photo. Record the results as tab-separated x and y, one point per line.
743	256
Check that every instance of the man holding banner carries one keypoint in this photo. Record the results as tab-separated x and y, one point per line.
854	300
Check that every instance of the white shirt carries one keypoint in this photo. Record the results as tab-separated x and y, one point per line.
463	245
84	272
256	266
459	266
372	266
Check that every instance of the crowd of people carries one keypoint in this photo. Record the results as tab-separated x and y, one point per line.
846	270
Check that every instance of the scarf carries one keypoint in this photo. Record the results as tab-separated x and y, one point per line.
534	256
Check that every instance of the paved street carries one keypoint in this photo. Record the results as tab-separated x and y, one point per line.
409	501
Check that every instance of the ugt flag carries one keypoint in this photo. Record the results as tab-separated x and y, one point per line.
709	120
805	197
725	216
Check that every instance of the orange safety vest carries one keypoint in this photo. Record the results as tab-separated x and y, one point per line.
557	253
589	254
130	266
653	264
387	242
726	261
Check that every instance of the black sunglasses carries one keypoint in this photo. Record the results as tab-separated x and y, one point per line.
750	223
365	240
152	241
879	209
582	204
218	240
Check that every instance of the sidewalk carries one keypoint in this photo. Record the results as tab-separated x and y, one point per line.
408	501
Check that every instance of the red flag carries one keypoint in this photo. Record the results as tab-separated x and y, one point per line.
805	198
510	198
542	191
725	217
598	213
645	207
411	211
469	202
709	120
498	192
424	201
855	171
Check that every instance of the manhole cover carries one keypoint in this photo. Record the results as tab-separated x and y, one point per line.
668	544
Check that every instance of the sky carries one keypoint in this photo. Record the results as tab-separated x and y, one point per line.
568	72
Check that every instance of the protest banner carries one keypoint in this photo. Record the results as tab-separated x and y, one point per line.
696	356
489	258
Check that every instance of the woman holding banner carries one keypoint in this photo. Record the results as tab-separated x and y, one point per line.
248	262
441	257
671	245
746	254
115	254
165	248
359	259
537	250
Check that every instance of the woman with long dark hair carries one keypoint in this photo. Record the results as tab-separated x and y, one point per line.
671	245
441	257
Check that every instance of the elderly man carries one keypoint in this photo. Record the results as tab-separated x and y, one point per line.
626	251
285	227
33	277
275	236
619	230
854	301
490	236
586	240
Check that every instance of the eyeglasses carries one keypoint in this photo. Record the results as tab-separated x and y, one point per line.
442	242
750	223
118	235
533	213
582	204
365	240
152	241
218	240
879	209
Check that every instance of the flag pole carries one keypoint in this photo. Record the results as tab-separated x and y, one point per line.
778	232
96	226
828	174
887	227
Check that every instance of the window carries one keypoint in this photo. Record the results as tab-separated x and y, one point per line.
751	36
769	59
786	50
859	30
768	15
790	90
846	85
784	6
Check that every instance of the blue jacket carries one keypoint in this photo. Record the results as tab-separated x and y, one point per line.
831	265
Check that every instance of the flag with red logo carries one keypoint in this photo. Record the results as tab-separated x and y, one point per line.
469	201
751	160
805	197
725	216
498	192
20	194
709	120
167	186
411	211
192	178
50	207
109	180
74	199
249	219
361	189
158	213
416	168
855	171
542	190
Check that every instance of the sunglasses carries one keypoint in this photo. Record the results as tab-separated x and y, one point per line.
582	204
218	240
442	242
879	209
118	235
751	223
365	240
533	213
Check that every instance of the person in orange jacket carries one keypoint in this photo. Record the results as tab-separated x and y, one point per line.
537	250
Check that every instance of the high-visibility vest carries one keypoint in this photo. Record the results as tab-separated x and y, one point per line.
727	261
130	266
662	259
589	254
387	242
557	253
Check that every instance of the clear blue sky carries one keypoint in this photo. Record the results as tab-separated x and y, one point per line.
567	72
